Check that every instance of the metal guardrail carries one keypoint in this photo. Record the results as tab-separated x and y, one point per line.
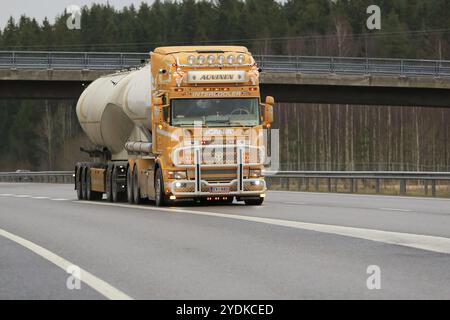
427	182
38	177
268	63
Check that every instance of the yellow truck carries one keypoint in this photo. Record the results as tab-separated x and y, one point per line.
186	126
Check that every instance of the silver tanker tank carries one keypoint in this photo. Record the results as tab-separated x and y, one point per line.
113	106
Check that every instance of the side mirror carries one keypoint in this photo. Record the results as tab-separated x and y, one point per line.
158	101
270	100
268	111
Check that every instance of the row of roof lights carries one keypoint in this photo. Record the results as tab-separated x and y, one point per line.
211	59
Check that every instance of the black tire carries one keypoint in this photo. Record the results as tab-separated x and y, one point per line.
130	195
83	183
116	195
88	184
108	184
78	182
160	197
254	202
136	191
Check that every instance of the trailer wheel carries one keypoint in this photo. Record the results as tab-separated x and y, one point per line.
78	182
160	200
108	184
83	183
91	195
130	196
254	202
136	191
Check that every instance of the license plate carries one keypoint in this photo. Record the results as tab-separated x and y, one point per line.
220	189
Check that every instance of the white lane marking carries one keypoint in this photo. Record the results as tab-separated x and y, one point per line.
424	242
5	195
92	281
359	195
399	210
37	198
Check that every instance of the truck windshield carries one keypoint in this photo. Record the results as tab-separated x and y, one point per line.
215	112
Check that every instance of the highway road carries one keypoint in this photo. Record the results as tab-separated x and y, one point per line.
296	246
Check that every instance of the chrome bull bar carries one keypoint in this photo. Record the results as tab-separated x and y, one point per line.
236	187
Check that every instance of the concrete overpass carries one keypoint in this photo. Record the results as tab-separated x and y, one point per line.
53	75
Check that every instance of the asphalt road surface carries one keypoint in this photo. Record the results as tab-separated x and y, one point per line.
296	246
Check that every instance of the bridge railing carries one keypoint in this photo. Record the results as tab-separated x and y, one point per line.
70	60
268	63
356	66
398	183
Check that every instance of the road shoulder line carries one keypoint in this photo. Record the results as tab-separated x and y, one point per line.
422	242
89	279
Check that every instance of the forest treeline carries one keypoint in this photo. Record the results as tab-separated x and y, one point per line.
409	28
45	135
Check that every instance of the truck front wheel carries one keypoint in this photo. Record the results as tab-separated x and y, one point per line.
160	198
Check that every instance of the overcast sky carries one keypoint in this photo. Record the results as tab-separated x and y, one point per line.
40	9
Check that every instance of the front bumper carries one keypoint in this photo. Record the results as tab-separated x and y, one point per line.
187	188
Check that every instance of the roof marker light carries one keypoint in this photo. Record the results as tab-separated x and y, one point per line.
191	60
211	59
201	60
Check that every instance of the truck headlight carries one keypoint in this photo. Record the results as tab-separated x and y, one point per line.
182	175
177	175
221	59
241	59
255	173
